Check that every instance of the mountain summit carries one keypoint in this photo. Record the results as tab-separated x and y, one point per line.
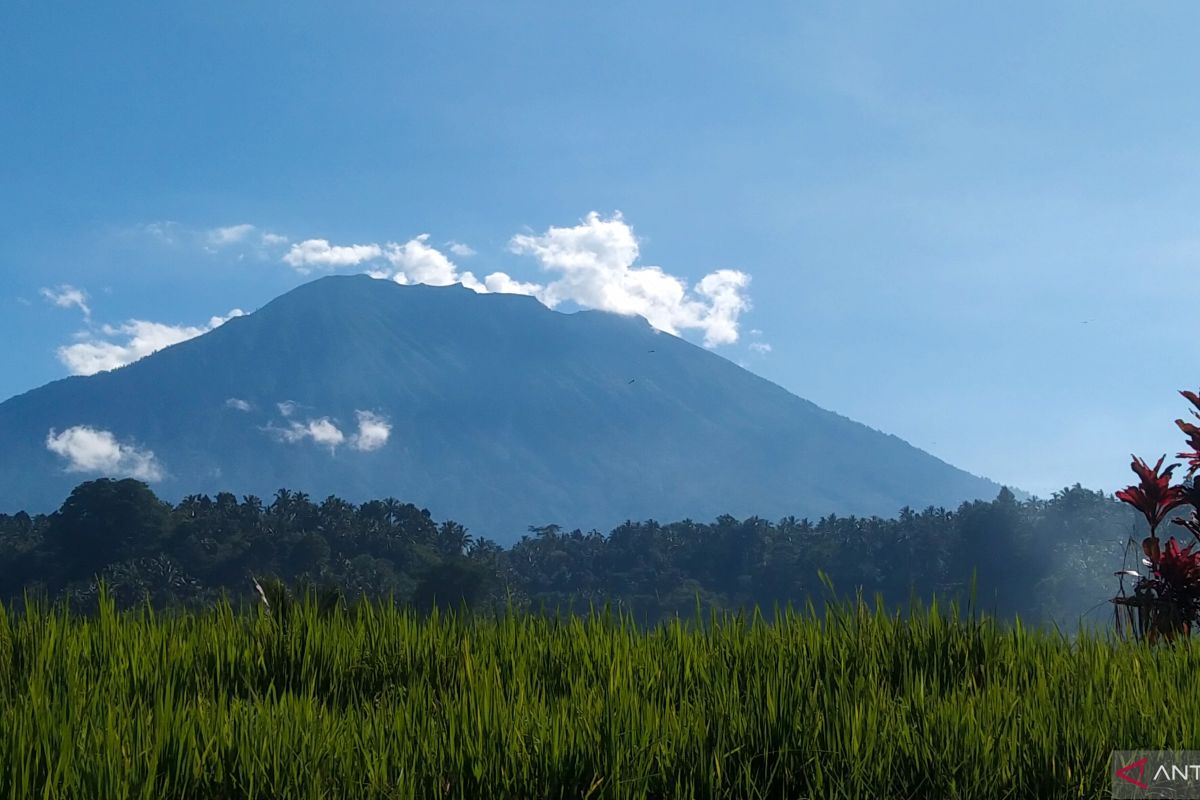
488	409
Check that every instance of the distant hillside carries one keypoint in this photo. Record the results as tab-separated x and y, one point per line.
491	410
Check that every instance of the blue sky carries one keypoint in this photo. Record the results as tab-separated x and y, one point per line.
970	227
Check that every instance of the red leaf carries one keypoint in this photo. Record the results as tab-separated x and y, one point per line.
1153	496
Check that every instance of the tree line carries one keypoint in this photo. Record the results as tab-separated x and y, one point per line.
1047	560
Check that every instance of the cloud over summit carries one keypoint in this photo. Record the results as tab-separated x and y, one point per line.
313	254
593	265
416	261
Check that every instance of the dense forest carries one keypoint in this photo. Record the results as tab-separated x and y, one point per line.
1050	561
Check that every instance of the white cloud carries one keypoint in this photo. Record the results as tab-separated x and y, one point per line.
303	256
322	431
165	231
595	262
760	347
222	237
245	239
94	450
325	432
238	404
717	314
594	266
66	296
416	262
502	283
140	339
373	432
413	262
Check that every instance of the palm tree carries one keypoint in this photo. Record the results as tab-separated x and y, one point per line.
453	539
393	513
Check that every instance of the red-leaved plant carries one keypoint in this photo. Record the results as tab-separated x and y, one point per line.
1165	603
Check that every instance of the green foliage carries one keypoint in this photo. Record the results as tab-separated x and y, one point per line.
452	583
1048	560
103	522
378	702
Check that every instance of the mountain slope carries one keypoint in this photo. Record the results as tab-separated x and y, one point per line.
503	414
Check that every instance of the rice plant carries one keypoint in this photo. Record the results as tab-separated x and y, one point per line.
376	701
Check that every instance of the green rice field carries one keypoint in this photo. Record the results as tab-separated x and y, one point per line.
377	702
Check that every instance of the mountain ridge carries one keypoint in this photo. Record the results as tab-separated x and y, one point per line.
503	414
